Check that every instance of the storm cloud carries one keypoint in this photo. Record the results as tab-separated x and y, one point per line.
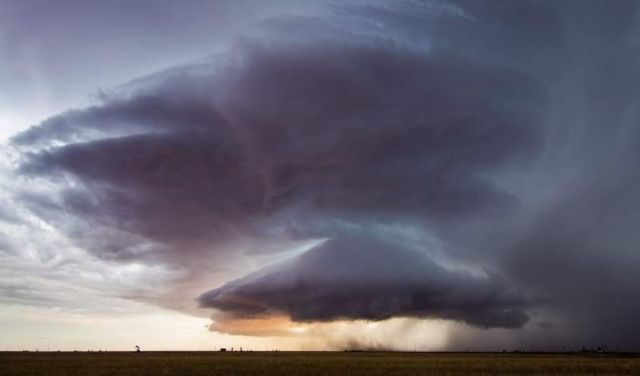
467	161
368	279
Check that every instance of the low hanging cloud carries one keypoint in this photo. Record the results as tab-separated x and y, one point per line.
457	124
368	279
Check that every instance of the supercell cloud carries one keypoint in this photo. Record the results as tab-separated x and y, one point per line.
458	160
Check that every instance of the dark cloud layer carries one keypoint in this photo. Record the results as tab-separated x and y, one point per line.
498	134
368	279
345	131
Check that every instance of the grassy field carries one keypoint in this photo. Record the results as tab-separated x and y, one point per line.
312	363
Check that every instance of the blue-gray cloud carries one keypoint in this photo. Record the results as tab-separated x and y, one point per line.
373	279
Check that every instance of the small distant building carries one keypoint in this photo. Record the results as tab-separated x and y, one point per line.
223	349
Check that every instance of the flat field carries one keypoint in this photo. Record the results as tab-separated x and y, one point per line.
312	363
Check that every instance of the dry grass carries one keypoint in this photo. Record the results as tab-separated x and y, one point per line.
315	363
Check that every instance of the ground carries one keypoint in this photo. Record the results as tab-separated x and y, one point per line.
313	363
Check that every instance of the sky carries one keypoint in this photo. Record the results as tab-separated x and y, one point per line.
319	175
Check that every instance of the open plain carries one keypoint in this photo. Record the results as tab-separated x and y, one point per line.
312	363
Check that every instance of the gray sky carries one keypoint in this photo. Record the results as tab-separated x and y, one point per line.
317	175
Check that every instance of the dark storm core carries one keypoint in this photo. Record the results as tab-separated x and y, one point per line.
471	161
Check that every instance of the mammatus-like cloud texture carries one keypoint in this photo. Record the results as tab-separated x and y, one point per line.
469	161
